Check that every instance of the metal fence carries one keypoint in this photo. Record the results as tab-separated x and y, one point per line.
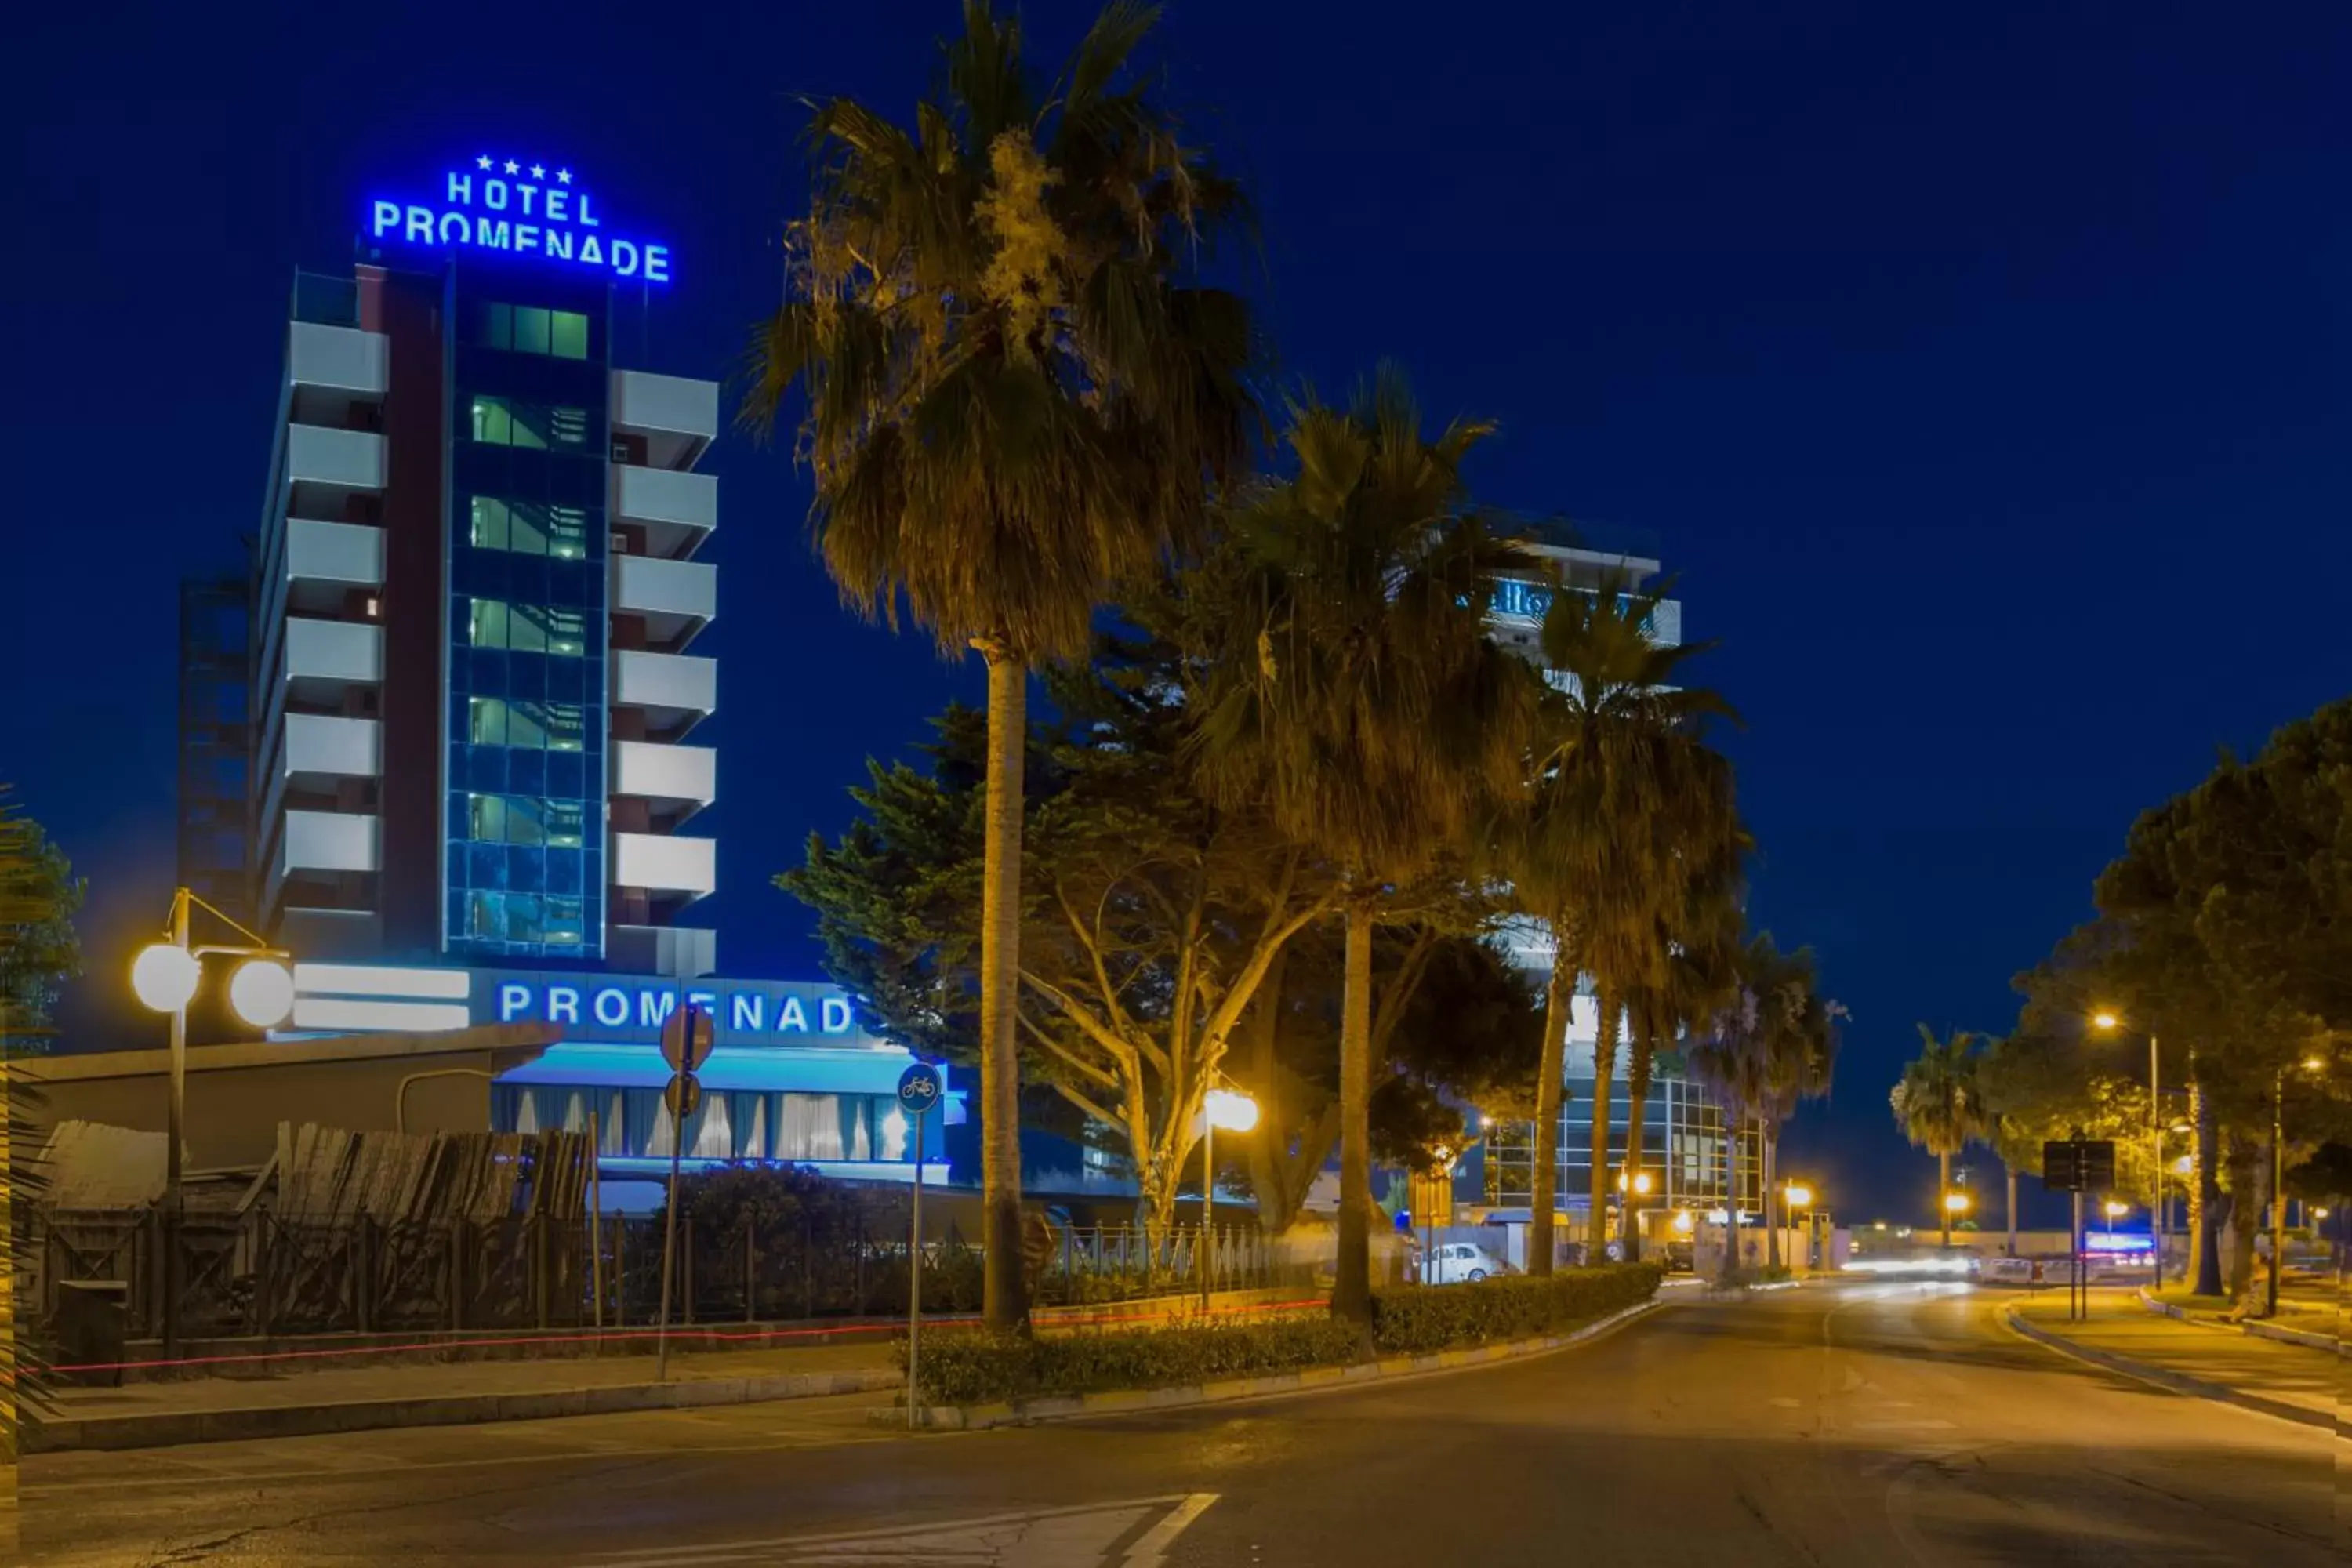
264	1275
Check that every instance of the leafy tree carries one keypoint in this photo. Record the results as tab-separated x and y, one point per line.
1359	699
1598	823
1937	1105
39	951
1014	394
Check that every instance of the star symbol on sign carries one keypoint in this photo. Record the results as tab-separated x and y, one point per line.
513	167
483	162
539	170
563	176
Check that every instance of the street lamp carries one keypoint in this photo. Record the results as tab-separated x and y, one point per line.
1955	1203
2116	1211
2106	1022
1235	1112
165	977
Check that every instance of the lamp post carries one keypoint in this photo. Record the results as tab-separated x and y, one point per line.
2106	1022
1235	1112
1798	1196
164	976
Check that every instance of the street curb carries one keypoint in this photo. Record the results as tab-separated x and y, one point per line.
161	1429
2164	1377
2259	1329
1312	1380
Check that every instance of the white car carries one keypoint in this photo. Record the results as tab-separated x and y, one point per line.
1460	1261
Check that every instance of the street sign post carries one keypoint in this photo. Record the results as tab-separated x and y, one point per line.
918	1092
684	1045
2078	1165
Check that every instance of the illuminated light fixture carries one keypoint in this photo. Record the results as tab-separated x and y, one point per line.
2315	1064
402	1018
1800	1195
261	992
2186	1165
1956	1202
1229	1110
2319	1214
1682	1222
376	980
2102	1019
164	976
2115	1210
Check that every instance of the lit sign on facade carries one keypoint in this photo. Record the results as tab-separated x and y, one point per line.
631	1008
523	209
1517	599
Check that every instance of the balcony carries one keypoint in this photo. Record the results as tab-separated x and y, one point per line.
320	749
326	466
675	775
677	510
672	870
326	562
323	658
676	690
336	361
688	951
328	841
676	598
677	419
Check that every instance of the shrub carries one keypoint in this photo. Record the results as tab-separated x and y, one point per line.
1419	1319
971	1367
978	1367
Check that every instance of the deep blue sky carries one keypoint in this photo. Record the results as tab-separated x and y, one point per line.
1985	376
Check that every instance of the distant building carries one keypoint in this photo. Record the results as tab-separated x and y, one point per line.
1682	1135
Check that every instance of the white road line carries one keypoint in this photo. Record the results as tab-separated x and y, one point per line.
1153	1545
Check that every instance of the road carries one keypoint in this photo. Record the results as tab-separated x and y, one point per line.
1868	1424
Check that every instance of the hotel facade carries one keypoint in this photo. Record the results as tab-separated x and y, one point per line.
445	741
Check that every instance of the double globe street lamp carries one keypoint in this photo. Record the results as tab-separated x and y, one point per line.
165	977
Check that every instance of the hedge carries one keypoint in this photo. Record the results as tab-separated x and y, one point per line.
974	1367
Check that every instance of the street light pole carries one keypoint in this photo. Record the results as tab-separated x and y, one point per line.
2156	1168
2278	1189
1208	1197
174	1119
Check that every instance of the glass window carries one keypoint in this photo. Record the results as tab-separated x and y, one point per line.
524	917
531	329
529	528
498	326
524	819
526	628
568	335
531	725
537	426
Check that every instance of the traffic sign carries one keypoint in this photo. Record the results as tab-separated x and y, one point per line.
685	1038
919	1088
683	1097
2078	1164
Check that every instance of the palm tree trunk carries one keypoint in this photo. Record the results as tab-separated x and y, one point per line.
1544	1189
1004	1300
2245	1219
1772	1218
1637	1094
2008	1205
1943	1193
1732	1126
1351	1291
2204	1208
1265	1149
1604	1067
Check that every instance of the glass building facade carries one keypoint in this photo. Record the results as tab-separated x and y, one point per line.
528	623
1681	1148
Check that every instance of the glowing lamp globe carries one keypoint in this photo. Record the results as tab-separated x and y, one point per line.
164	976
1229	1110
262	992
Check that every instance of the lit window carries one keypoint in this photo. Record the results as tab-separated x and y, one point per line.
568	335
526	628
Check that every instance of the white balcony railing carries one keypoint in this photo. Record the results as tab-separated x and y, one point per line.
344	748
676	510
677	598
333	650
657	773
346	552
668	685
345	459
677	417
661	863
327	841
341	358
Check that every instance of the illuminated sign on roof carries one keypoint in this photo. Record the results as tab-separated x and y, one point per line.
523	209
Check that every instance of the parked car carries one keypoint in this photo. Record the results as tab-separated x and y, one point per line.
1458	1262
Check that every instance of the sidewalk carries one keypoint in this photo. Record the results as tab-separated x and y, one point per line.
2212	1362
304	1402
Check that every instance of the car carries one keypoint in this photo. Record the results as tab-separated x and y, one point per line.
1461	1262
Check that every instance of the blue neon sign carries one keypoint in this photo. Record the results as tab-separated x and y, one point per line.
619	1009
1519	600
522	209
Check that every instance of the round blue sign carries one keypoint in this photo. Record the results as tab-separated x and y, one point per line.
919	1089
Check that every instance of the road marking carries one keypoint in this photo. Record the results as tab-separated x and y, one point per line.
1085	1535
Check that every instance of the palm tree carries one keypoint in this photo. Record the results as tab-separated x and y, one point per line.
1800	1052
1013	394
1613	726
1360	699
1937	1105
1732	1060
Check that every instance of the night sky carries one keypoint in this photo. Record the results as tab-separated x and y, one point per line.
1986	378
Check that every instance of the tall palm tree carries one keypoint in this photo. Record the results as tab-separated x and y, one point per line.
1613	724
1936	1104
1360	699
1799	1041
1014	393
1732	1060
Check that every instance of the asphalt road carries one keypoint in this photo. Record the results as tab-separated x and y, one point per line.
1879	1423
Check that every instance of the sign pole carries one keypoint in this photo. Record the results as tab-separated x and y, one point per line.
915	1289
670	1249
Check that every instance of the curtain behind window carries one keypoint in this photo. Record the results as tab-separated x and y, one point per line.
808	1127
